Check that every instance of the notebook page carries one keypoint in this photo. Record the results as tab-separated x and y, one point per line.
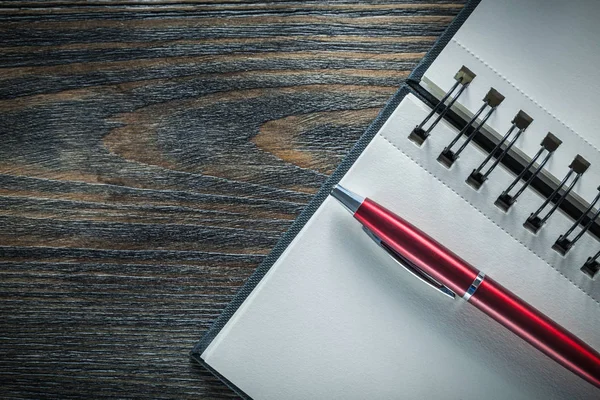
543	56
335	317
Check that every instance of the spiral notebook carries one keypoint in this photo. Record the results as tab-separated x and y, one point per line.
492	149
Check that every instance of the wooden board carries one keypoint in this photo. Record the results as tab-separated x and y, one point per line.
152	153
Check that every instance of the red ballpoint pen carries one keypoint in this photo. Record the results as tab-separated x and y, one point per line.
439	267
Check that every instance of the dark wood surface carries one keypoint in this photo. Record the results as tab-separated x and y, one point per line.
152	153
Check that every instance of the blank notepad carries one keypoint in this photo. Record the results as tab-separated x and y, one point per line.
330	315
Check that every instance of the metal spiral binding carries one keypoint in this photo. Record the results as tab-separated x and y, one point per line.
578	166
520	122
463	77
591	266
563	244
492	100
514	161
549	145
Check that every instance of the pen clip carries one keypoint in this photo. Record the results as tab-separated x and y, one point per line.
410	267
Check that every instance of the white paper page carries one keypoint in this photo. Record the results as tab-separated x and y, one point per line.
543	56
336	318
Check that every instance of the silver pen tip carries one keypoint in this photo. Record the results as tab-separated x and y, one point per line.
350	200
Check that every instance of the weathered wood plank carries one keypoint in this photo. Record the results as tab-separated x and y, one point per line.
151	154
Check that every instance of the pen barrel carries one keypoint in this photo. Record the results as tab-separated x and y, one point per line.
489	296
417	247
537	329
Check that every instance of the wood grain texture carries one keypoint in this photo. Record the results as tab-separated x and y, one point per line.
152	153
